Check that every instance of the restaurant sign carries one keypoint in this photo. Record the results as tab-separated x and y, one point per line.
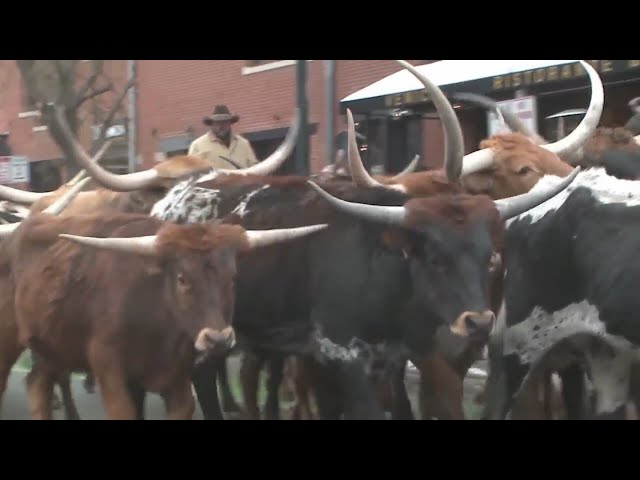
523	79
560	72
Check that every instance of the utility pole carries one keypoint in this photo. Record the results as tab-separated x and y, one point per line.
302	149
330	89
131	113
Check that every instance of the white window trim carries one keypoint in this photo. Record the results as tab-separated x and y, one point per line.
269	66
31	113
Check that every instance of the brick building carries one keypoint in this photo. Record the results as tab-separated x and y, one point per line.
400	121
28	137
172	97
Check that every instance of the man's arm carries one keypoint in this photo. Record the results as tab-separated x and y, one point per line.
193	149
251	156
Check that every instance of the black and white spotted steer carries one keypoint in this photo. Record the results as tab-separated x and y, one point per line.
389	269
571	289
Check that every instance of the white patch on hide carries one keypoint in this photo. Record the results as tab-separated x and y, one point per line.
609	367
241	209
605	188
186	203
541	330
609	372
174	195
333	351
477	373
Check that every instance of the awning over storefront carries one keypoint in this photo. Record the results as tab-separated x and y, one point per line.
476	76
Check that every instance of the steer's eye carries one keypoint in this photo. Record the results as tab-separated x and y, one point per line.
182	282
524	170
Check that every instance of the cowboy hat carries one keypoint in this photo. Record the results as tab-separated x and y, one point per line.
220	114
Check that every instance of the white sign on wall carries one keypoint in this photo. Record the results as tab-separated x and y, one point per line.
526	108
14	170
20	170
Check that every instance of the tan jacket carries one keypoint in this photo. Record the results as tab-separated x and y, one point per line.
208	147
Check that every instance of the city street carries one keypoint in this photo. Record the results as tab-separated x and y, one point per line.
14	405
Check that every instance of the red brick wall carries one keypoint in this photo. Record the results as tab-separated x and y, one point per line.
175	94
39	145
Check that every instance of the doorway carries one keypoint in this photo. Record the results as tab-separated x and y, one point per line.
404	142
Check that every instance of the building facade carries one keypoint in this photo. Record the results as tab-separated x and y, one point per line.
401	121
171	98
175	95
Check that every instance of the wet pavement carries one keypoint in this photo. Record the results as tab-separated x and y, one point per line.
14	405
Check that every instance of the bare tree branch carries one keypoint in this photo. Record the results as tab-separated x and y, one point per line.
82	93
93	94
55	82
114	108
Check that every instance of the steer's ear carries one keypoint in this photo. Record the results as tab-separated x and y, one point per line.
479	183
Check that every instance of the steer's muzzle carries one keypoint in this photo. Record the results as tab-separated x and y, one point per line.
476	326
217	342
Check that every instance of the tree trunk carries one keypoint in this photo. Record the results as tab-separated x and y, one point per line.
55	82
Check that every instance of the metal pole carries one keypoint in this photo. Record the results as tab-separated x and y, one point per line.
131	113
330	89
302	157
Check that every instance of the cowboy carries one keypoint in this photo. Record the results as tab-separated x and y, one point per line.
220	146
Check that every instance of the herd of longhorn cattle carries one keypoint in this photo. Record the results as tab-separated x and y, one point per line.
149	281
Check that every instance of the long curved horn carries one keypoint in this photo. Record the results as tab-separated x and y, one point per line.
277	158
147	245
514	206
477	161
374	213
589	123
409	168
359	174
96	158
139	245
23	197
483	159
454	142
60	204
118	183
261	238
512	120
54	209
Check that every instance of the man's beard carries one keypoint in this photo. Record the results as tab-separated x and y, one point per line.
224	137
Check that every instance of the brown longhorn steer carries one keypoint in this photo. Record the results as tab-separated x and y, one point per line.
136	310
9	352
137	193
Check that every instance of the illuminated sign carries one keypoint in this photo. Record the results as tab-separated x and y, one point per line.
525	78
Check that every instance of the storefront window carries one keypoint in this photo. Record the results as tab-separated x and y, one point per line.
561	124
